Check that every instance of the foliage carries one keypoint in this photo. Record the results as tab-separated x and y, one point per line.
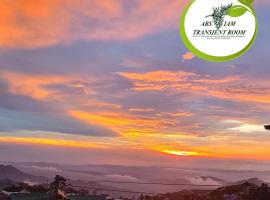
218	15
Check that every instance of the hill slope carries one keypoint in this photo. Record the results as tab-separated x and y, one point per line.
8	172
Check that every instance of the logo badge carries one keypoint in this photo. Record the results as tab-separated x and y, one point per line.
218	30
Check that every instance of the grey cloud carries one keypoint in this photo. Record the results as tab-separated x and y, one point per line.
23	103
24	113
14	120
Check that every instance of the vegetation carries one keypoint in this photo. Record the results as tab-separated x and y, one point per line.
218	15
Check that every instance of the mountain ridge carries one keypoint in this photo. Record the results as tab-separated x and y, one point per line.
9	172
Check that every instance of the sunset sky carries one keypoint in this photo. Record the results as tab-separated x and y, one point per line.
109	81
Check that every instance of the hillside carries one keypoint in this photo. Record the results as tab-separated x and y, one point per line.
8	172
244	190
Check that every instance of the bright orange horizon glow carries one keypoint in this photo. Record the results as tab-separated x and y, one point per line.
222	152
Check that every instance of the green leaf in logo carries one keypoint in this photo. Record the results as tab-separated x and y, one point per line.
248	2
237	11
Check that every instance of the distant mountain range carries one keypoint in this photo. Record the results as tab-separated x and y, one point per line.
9	172
251	189
10	175
254	181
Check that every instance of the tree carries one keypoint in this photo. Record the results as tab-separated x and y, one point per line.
58	183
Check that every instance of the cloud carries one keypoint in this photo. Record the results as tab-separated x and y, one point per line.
187	56
42	86
136	62
248	128
32	24
157	76
181	106
24	103
121	177
37	103
232	88
175	114
115	120
141	110
139	124
179	81
203	181
49	142
49	122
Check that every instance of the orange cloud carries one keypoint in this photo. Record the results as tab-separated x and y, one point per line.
132	125
50	142
157	76
113	120
229	79
231	88
100	118
242	94
187	56
32	24
36	86
175	81
158	80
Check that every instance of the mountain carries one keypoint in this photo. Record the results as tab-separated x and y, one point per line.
8	172
255	181
244	191
181	178
91	173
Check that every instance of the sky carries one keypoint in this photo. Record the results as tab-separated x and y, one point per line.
88	82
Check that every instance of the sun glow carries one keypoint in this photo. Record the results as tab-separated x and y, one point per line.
180	153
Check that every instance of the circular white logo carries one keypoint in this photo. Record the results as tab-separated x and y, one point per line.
218	30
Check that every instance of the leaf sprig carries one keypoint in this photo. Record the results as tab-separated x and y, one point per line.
218	15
